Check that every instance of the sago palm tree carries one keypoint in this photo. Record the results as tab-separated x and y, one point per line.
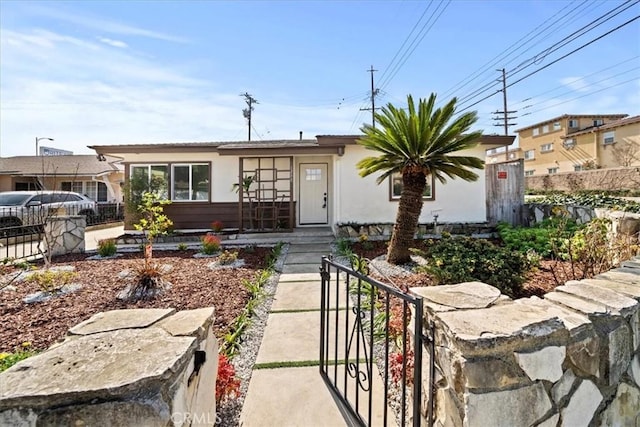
417	143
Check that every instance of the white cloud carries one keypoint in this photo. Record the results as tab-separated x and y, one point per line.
114	43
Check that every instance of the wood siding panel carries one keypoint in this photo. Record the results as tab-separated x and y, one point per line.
505	192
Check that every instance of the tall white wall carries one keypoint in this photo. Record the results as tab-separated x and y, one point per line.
361	200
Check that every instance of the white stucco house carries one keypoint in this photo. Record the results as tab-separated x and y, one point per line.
289	183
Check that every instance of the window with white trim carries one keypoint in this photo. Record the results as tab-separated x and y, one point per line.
94	190
609	137
545	148
552	171
530	154
569	143
598	122
153	177
577	168
536	131
556	126
396	187
545	129
190	182
529	172
574	123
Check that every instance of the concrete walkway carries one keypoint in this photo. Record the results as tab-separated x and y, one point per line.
281	392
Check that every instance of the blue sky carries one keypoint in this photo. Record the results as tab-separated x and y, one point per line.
125	72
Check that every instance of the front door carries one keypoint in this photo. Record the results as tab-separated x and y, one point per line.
313	198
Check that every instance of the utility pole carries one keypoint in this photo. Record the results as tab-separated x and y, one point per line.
505	111
374	93
250	100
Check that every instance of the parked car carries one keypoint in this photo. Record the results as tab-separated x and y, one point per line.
31	208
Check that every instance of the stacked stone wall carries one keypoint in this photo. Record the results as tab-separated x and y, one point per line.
137	367
64	234
384	230
569	359
623	178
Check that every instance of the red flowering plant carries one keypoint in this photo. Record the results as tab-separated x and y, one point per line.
396	361
227	385
210	244
217	226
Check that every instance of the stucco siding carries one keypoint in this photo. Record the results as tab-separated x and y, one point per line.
361	200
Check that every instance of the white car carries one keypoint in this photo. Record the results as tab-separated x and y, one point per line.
23	208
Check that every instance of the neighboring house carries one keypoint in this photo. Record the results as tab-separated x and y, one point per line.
290	183
98	177
575	142
501	155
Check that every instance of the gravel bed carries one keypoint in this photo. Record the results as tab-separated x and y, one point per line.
229	411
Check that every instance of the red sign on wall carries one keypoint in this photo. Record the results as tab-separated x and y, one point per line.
502	174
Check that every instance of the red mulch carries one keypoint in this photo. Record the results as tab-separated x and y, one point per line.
194	285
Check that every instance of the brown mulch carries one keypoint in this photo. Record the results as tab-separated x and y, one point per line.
193	285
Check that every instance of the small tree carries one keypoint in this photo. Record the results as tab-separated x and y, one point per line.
245	185
153	221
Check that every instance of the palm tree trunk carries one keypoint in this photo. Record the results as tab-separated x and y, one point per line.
409	208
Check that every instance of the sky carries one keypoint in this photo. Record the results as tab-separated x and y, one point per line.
136	72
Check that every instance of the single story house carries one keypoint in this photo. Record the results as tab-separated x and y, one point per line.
98	177
267	185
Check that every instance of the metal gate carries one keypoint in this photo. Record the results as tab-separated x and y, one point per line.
371	339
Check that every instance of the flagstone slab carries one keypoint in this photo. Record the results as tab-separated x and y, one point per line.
304	258
301	268
319	248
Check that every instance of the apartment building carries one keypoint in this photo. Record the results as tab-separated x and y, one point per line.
571	143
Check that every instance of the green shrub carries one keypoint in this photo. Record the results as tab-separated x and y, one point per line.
343	247
51	280
107	247
210	244
591	199
465	259
228	257
7	360
182	247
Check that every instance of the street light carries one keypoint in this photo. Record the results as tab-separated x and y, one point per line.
38	140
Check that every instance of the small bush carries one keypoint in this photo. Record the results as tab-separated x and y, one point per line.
343	247
364	242
51	280
7	360
147	281
107	247
182	247
227	385
210	244
228	257
465	259
217	226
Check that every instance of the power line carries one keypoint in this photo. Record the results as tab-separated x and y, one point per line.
250	100
555	61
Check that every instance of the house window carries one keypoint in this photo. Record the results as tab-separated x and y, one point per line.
545	129
530	154
608	137
26	186
569	143
396	187
529	172
556	126
94	190
598	122
574	123
536	131
552	171
577	168
545	148
150	177
190	182
512	156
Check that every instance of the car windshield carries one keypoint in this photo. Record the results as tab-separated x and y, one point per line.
11	199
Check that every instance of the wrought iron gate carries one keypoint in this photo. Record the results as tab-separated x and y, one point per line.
371	339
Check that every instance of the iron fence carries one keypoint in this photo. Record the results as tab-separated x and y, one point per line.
371	343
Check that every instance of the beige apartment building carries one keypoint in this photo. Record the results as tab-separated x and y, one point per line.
577	142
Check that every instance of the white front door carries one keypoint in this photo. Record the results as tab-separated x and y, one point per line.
313	198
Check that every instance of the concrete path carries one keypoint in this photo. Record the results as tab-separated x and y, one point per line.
282	393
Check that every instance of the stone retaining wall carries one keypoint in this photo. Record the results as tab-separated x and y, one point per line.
622	178
64	234
569	359
351	230
142	367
